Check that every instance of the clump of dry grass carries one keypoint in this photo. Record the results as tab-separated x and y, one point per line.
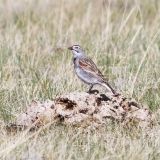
122	37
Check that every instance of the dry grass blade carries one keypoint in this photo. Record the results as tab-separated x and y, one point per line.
122	37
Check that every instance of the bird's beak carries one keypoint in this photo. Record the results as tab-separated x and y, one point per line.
70	48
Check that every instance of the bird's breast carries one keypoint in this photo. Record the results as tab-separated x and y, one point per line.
75	62
74	59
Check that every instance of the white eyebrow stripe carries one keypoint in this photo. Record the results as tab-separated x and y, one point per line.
76	46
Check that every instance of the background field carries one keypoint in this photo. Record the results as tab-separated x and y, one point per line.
122	37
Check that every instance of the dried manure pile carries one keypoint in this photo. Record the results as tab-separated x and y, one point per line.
83	109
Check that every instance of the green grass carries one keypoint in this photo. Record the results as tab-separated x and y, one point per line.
122	37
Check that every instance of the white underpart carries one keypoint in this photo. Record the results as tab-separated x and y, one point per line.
84	77
91	80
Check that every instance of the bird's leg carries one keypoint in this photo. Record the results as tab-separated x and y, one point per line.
90	88
90	91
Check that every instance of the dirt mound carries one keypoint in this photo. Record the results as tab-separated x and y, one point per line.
80	108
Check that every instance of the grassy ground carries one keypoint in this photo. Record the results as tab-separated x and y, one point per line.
122	37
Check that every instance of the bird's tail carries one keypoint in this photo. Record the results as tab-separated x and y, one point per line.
108	86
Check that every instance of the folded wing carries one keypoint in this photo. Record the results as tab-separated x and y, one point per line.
89	66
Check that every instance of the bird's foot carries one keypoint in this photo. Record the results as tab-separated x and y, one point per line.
93	91
116	94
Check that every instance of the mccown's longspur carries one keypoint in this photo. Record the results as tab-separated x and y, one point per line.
87	70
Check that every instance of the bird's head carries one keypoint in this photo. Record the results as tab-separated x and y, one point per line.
76	50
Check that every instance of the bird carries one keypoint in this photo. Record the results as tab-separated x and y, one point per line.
87	71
